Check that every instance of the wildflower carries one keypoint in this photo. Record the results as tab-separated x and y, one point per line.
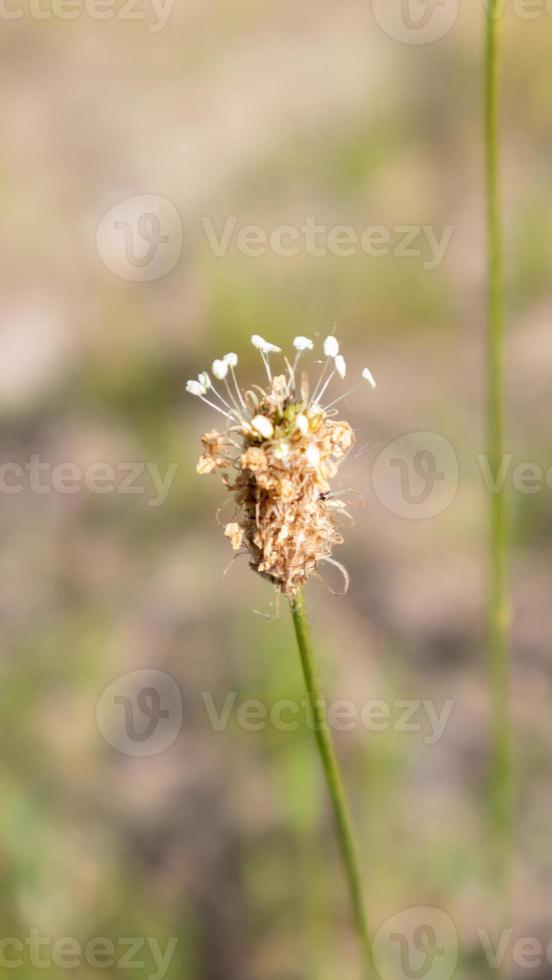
280	449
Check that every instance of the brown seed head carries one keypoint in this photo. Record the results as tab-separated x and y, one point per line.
277	457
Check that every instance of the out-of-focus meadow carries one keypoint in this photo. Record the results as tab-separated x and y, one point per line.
270	113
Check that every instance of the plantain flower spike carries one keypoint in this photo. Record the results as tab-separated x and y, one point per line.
280	449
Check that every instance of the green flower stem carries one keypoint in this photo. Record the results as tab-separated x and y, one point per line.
502	774
333	776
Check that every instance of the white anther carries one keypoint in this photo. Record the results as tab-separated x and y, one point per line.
220	370
331	346
263	426
340	366
231	359
195	388
263	345
204	380
312	456
302	343
369	377
302	424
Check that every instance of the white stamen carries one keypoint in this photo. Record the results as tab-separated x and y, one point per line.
340	366
196	388
320	379
331	350
216	394
263	426
331	346
302	343
325	385
368	376
291	375
204	379
220	370
217	409
312	456
231	396
232	360
262	346
341	397
302	424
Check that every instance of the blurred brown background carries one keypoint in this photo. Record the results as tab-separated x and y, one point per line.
118	821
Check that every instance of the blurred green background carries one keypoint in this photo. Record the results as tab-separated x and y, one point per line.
223	839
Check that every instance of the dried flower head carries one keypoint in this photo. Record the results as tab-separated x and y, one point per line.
280	450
